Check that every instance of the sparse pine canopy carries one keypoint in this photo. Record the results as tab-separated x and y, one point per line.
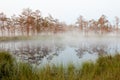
31	22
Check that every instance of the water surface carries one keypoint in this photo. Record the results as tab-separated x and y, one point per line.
62	51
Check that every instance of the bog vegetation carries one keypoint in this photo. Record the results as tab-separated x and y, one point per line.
30	24
105	68
33	23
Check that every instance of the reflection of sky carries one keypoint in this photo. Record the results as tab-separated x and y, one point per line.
69	56
65	10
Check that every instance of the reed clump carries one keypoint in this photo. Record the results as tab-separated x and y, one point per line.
105	68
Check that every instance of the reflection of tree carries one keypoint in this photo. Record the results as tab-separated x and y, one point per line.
92	49
58	48
100	50
34	54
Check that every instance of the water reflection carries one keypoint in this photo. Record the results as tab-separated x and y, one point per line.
32	52
100	48
39	52
92	49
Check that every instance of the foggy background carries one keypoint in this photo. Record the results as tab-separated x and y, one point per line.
64	10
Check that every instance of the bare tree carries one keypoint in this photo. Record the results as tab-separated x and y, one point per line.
28	14
80	22
14	24
117	21
101	23
8	26
3	20
38	21
21	21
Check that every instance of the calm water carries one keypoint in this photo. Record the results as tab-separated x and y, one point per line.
62	51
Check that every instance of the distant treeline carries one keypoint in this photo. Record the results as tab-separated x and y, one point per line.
33	23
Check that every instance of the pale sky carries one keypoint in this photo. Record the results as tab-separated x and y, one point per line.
65	10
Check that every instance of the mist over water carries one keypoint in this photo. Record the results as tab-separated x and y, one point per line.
64	48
